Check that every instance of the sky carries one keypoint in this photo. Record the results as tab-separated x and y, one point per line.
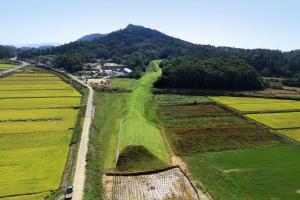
273	24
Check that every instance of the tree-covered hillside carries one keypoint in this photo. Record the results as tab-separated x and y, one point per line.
212	73
135	46
7	52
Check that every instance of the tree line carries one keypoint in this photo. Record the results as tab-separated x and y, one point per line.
212	73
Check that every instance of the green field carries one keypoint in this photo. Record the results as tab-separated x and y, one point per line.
124	83
261	174
139	128
278	120
36	128
250	104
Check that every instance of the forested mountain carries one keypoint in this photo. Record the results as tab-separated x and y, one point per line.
7	51
91	37
136	45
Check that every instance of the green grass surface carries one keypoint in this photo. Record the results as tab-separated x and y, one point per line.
109	110
249	104
261	174
278	120
292	133
137	129
31	103
34	143
124	83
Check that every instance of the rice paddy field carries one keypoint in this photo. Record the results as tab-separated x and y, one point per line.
250	104
4	66
38	112
231	157
278	120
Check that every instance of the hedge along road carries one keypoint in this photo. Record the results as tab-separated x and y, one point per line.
79	177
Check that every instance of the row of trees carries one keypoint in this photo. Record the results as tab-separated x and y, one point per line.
213	73
7	52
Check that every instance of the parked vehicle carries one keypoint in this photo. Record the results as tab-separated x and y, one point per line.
69	193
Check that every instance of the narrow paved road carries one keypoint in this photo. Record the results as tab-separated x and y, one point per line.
79	176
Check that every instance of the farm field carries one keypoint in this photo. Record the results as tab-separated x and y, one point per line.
260	174
140	133
278	120
39	93
4	66
36	127
37	103
169	184
250	104
197	131
291	133
124	83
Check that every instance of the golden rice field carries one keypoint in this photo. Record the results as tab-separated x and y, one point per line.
38	112
251	104
4	66
39	93
291	133
278	120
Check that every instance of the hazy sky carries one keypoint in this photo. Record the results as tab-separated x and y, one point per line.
271	24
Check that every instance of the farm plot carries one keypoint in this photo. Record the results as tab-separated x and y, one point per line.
36	128
38	103
173	99
249	104
197	130
267	173
291	133
139	130
278	120
39	93
170	184
4	66
204	128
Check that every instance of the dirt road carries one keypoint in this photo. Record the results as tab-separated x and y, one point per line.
79	176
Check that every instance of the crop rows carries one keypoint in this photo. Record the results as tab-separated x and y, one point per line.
36	126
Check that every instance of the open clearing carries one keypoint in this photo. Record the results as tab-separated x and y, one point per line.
169	184
36	127
278	120
249	104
